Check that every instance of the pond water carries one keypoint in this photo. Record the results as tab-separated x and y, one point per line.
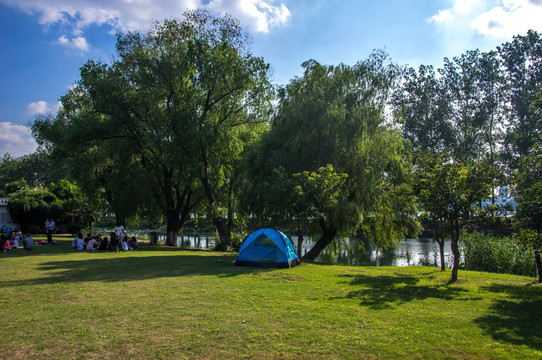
351	251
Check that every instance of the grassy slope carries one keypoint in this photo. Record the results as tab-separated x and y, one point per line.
56	303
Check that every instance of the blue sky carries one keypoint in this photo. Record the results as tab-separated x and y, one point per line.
45	42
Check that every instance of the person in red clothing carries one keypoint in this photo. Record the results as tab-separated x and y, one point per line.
5	243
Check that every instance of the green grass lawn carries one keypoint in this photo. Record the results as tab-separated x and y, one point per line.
161	303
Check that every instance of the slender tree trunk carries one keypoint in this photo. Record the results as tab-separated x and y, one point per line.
299	243
455	248
441	254
300	233
441	247
538	264
328	234
438	235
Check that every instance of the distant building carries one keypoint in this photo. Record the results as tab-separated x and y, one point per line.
5	219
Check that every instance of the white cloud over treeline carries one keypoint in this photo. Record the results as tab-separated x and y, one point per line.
256	15
42	108
502	19
16	139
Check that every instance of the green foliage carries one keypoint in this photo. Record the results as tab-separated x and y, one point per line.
528	191
330	157
166	121
29	206
63	201
522	60
450	190
498	254
421	108
33	170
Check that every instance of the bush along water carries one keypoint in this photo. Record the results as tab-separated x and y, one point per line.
499	254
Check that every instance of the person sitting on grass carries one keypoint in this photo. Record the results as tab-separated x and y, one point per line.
78	242
5	243
114	243
28	242
124	244
92	244
104	244
133	244
14	240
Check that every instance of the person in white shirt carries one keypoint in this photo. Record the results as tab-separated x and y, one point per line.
50	225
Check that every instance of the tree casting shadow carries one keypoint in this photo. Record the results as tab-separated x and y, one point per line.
515	319
113	269
383	292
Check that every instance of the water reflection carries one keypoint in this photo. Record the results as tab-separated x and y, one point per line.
364	253
355	252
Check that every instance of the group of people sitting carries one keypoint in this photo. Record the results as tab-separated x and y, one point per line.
116	243
12	239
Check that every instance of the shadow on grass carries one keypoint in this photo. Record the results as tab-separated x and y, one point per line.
112	268
384	292
516	318
64	247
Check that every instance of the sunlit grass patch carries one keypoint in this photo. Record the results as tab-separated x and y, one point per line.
161	303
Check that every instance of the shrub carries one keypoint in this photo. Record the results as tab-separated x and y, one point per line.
499	254
34	229
73	228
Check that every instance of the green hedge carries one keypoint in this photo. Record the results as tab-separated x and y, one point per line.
498	254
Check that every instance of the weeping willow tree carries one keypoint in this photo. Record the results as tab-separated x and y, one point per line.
331	157
173	112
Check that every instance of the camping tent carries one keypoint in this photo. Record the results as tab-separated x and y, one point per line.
267	247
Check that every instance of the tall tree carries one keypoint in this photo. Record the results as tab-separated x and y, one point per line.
522	59
422	109
453	121
178	104
447	192
461	81
528	193
330	127
36	169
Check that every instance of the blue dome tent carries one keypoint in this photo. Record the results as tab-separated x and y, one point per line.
267	247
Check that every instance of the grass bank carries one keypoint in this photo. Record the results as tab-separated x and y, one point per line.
160	303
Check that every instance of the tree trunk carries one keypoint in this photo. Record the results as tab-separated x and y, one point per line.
538	264
300	233
173	227
441	254
223	233
438	235
299	242
455	249
223	229
327	237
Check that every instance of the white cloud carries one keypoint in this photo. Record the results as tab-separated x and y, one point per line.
512	18
79	43
503	20
258	15
460	10
42	108
16	139
443	16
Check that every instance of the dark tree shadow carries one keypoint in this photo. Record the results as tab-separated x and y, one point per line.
382	292
112	268
64	247
517	317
